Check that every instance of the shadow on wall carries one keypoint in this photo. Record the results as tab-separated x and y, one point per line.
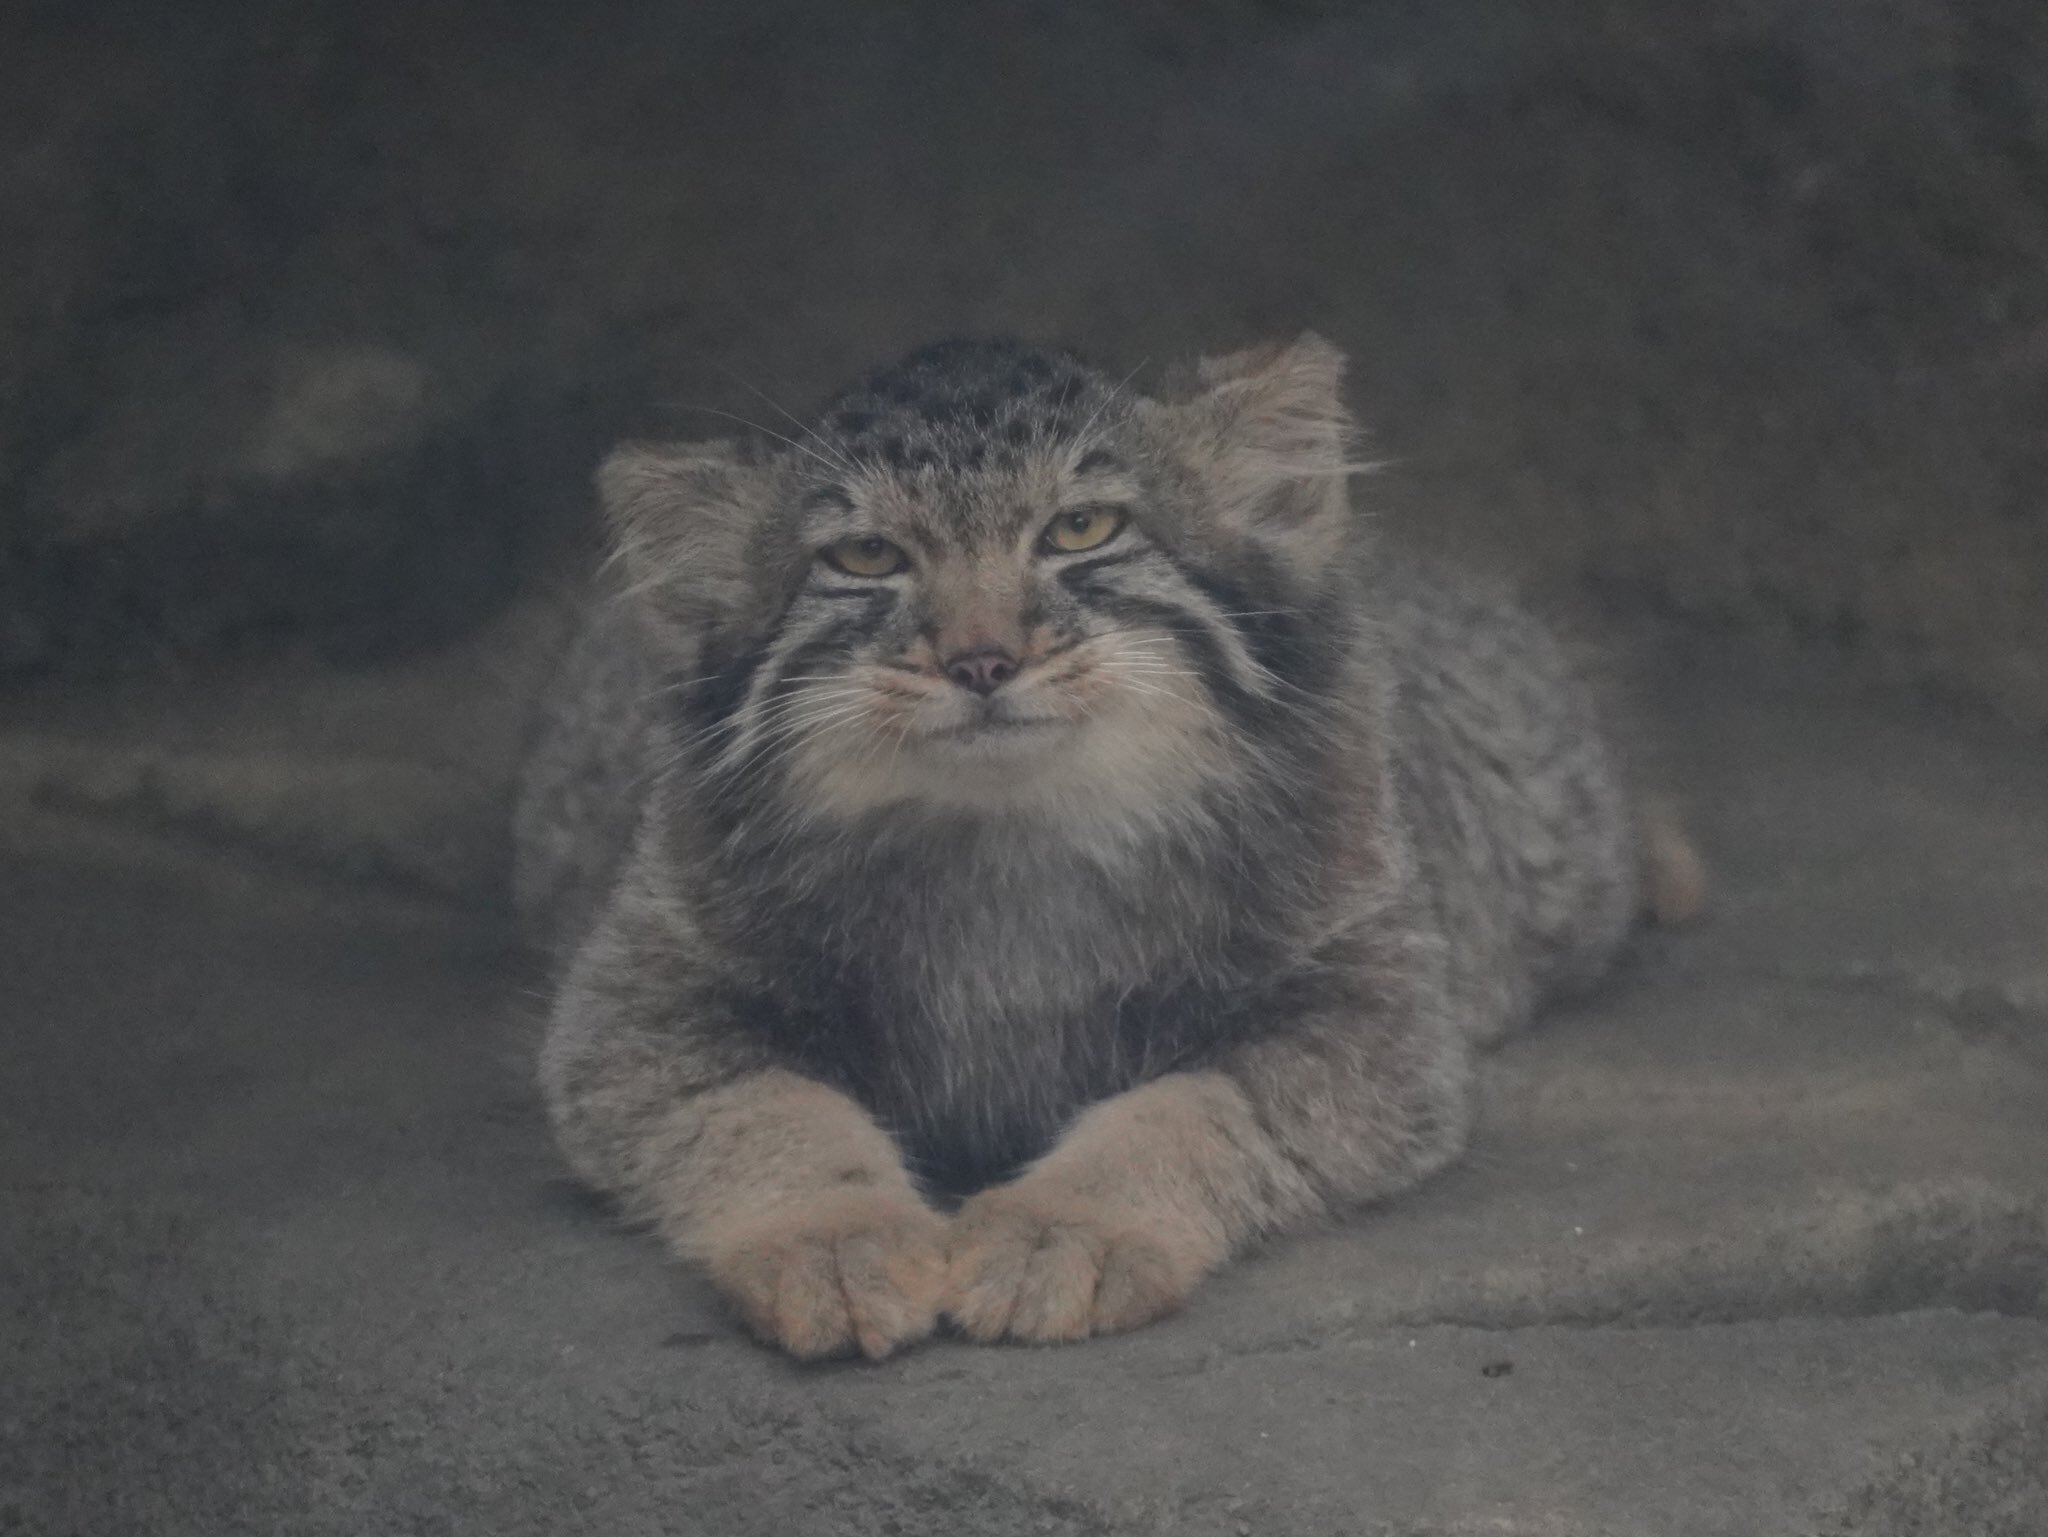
310	329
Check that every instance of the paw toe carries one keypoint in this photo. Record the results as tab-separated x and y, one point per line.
890	1291
1139	1283
830	1280
1057	1290
811	1316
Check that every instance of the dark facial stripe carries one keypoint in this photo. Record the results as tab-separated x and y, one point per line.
866	593
1070	569
1278	639
1205	650
726	678
831	641
721	699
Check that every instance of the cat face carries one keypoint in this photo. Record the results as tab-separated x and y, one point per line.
990	579
992	628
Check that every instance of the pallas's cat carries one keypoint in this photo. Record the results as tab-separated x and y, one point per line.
1018	840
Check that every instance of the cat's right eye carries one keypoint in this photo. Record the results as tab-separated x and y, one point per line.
869	556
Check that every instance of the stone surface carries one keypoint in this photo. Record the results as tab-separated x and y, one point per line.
402	772
1755	1241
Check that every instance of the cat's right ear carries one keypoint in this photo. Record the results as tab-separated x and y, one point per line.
679	516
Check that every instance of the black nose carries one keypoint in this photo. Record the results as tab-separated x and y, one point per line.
982	672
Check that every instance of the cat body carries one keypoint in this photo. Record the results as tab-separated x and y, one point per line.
1026	791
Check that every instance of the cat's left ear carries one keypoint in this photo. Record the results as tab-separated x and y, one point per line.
1267	432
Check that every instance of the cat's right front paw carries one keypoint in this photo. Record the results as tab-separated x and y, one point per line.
857	1271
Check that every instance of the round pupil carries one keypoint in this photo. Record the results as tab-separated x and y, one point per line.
870	549
1080	522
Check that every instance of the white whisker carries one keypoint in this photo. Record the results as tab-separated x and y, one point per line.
836	468
1107	400
837	455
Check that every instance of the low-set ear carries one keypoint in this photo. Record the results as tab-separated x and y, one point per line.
680	516
1268	432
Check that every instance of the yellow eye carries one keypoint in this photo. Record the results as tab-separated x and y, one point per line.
1084	528
868	556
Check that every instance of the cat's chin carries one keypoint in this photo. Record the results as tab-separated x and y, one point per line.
999	736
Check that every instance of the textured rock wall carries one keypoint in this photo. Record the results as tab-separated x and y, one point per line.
311	327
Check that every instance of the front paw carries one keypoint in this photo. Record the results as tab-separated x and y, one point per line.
844	1272
1042	1267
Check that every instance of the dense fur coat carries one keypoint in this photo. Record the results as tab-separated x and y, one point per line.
1016	784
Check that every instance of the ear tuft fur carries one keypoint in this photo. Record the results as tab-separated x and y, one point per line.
1272	437
679	516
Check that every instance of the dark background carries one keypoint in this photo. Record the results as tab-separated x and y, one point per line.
314	317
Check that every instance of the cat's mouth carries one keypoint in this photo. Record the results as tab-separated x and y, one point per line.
993	723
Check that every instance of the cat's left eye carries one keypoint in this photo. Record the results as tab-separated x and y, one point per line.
1083	528
869	556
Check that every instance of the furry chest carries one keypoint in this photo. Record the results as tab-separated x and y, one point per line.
976	1018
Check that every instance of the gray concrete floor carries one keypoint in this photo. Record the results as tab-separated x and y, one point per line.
1754	1242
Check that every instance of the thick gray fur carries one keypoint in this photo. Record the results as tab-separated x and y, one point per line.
1376	825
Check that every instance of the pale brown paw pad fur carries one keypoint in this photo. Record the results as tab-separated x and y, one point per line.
856	1271
1039	1270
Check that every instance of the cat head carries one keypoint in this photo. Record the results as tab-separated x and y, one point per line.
990	577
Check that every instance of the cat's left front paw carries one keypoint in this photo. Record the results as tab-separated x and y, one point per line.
1042	1267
